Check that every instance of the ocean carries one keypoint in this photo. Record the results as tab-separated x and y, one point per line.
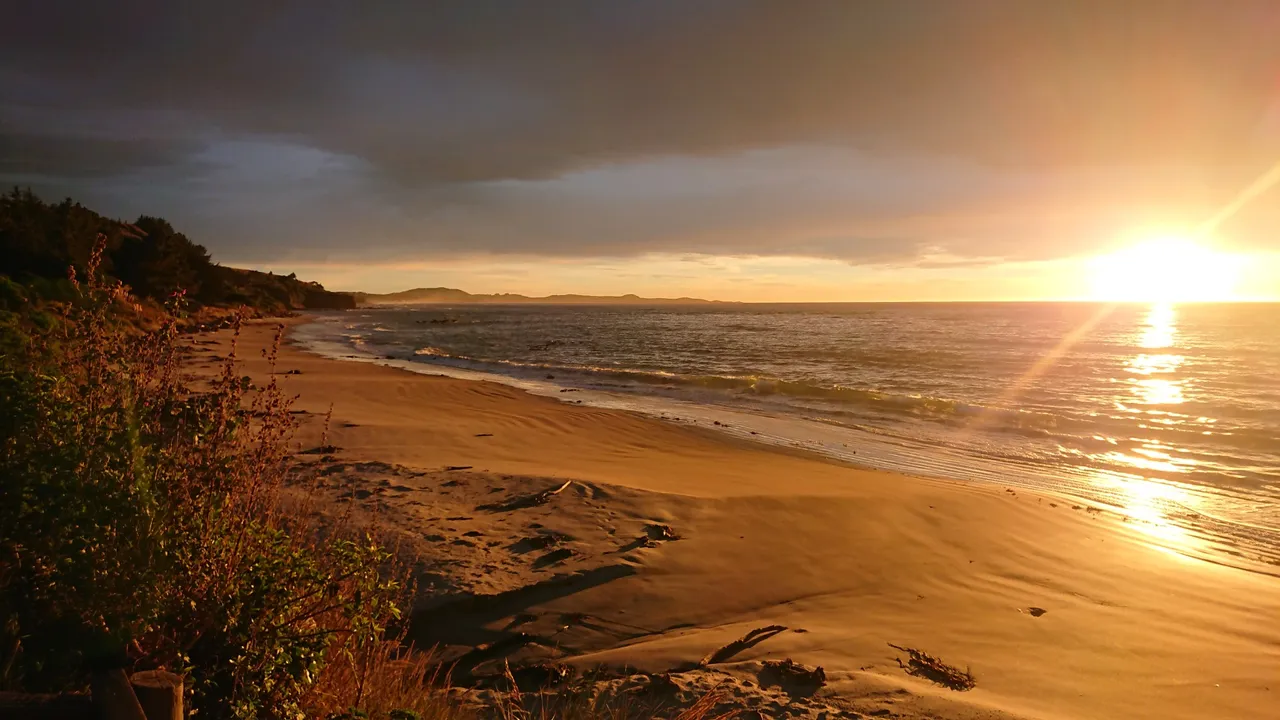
1168	415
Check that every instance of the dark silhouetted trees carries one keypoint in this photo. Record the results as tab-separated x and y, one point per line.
40	241
159	261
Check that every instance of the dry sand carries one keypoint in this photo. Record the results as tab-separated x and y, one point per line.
848	560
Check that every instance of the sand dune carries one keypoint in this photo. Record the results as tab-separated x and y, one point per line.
848	560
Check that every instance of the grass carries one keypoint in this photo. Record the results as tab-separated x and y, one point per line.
141	527
397	683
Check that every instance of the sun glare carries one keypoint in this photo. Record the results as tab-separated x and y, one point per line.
1166	270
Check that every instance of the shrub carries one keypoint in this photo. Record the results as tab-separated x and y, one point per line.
140	527
139	523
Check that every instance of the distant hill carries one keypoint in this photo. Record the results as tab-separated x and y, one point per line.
39	241
451	296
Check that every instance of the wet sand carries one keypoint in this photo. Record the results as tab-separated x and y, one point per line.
670	542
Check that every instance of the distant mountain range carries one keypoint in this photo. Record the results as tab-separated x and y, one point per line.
451	296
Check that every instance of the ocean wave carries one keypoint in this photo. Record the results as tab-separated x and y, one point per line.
846	404
752	385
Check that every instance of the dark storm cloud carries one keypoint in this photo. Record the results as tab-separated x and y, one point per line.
483	89
426	96
88	157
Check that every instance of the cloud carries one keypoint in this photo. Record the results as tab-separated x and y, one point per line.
868	132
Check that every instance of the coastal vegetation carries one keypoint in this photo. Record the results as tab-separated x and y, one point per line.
40	241
151	519
140	528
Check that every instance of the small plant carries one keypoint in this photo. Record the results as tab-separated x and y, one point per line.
140	527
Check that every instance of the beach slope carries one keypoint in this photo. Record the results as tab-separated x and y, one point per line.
607	537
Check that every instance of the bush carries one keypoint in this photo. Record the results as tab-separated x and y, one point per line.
140	527
139	523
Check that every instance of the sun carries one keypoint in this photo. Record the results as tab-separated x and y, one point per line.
1166	269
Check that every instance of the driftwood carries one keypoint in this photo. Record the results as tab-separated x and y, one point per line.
794	678
159	693
924	665
655	531
546	495
527	501
751	639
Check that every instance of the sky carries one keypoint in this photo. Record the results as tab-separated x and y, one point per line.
739	150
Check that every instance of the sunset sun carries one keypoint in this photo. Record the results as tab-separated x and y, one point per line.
1165	269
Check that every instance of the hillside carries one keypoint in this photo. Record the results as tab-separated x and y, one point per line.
40	241
276	294
451	296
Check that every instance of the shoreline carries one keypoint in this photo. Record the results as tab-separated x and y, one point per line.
855	558
1181	525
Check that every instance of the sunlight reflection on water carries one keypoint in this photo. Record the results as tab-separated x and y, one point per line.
1155	389
1161	327
1158	384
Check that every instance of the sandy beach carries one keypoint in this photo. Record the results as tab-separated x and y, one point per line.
670	542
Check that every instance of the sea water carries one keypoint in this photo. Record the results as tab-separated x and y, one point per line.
1167	414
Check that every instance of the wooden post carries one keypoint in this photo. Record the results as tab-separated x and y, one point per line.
113	697
160	694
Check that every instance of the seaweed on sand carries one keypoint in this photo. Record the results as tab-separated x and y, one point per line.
924	665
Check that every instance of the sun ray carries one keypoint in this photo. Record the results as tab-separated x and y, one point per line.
1264	183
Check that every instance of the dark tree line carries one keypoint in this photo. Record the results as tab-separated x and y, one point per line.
39	241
